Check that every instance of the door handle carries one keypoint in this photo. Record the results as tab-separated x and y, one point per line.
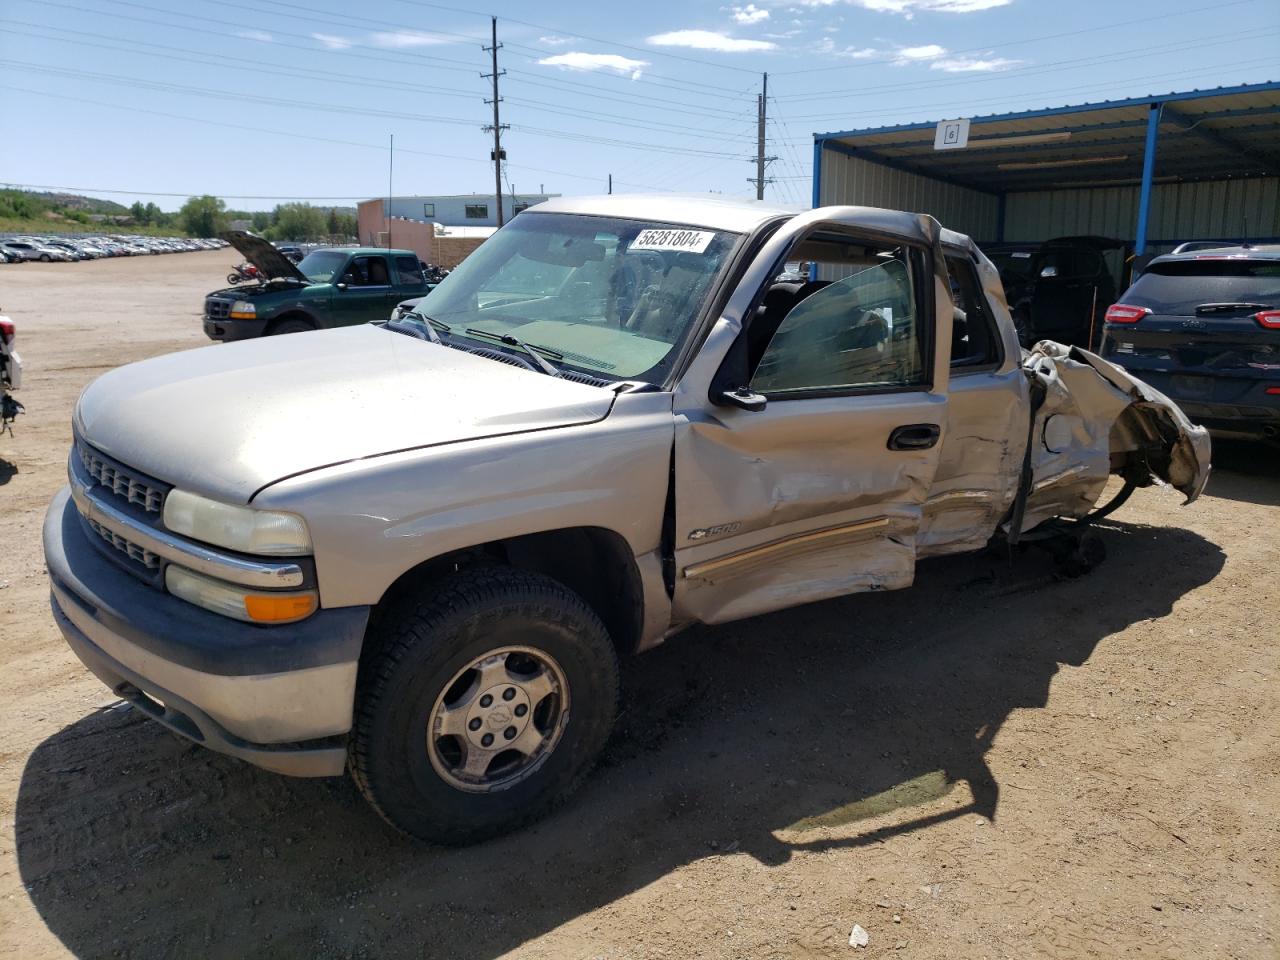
914	436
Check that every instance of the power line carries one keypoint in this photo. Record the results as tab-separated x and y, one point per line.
583	36
274	131
1053	66
1181	74
1146	20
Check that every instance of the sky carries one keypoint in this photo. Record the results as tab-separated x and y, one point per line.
267	101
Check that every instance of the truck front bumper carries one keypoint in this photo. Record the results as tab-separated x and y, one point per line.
279	697
228	330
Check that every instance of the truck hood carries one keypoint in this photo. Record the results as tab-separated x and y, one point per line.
228	420
273	264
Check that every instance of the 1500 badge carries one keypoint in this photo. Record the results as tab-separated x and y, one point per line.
703	532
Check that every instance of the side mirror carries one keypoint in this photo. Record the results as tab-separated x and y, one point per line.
340	286
745	399
1048	273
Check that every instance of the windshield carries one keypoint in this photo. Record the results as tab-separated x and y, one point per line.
320	266
613	298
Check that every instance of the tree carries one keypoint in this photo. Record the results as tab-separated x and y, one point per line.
155	216
333	222
298	221
203	216
261	220
138	212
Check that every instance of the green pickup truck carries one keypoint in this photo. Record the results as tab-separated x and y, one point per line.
328	288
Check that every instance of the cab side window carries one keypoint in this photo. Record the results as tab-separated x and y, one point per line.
858	329
367	272
975	341
408	271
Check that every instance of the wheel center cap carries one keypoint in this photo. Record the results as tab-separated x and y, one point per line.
499	717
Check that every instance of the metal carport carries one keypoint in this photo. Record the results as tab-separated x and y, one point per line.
1155	170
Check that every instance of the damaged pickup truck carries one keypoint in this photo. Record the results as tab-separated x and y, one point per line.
416	550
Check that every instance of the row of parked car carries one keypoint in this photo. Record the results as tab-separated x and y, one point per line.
66	249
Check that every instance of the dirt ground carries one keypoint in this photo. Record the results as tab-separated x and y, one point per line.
995	763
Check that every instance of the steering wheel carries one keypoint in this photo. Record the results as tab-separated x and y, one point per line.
632	279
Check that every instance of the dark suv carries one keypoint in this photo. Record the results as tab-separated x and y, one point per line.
1204	328
1070	284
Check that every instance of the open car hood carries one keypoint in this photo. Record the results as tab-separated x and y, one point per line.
1096	420
273	264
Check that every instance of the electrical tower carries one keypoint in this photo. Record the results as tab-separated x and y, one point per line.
762	109
497	126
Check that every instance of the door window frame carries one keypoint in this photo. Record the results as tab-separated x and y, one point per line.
922	276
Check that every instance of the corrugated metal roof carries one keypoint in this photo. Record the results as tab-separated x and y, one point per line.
1226	132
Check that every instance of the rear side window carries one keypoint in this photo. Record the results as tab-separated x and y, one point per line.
1177	287
974	340
408	271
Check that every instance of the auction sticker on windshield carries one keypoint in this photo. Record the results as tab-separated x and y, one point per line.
686	241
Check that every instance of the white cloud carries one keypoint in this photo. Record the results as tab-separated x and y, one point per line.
710	40
827	47
405	39
331	42
909	8
553	41
930	51
973	65
260	35
597	61
749	14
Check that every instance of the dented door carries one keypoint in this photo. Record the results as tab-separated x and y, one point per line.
815	495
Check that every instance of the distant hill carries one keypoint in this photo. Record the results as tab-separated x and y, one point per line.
74	201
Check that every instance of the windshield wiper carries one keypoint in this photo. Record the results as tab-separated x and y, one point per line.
424	329
1223	307
531	349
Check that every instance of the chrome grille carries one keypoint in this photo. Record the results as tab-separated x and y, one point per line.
130	549
129	486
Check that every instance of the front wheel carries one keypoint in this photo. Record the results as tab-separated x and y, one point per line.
482	707
45	258
291	326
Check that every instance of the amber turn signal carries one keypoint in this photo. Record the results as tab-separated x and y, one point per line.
278	607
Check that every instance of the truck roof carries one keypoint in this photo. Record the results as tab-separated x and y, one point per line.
696	210
368	251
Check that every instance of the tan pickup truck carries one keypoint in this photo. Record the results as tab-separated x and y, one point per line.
416	550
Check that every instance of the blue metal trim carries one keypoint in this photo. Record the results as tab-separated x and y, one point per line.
1077	108
817	172
1148	174
975	146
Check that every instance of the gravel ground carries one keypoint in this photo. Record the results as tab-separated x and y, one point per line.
995	763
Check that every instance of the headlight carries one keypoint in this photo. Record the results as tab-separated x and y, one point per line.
239	602
243	310
261	532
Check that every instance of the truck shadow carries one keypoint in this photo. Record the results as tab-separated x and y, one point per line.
822	728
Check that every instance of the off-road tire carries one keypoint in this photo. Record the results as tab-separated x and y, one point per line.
411	655
292	325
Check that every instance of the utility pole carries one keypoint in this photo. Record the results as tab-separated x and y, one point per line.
497	127
391	165
611	184
762	113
